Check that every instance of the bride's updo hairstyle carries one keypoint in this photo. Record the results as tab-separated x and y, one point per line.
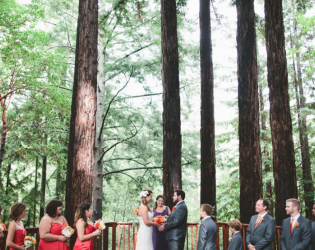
158	197
143	194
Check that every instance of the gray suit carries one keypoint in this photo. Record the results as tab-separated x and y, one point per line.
236	242
261	236
313	235
300	239
207	234
175	227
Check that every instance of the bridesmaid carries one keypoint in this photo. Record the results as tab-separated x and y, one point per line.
16	231
85	228
50	228
159	237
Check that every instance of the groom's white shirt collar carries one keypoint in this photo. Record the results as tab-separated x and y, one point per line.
206	218
263	215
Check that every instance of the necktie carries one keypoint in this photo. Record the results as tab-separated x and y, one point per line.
291	225
257	221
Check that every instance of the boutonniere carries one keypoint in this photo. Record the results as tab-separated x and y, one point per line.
230	239
297	224
261	219
174	208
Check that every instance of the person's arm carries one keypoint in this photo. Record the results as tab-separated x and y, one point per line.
202	237
143	211
177	218
9	241
305	237
44	231
282	237
80	226
168	211
269	235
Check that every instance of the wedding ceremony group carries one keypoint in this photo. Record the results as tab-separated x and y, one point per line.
161	227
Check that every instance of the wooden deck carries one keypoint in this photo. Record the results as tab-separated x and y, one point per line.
123	236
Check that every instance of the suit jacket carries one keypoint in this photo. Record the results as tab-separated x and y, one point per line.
300	239
207	234
236	242
261	236
313	235
176	224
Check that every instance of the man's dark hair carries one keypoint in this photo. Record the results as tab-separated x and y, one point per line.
265	203
181	193
51	208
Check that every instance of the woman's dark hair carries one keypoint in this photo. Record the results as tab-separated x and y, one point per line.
158	197
52	207
80	213
16	210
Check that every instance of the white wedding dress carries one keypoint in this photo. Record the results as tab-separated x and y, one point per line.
144	238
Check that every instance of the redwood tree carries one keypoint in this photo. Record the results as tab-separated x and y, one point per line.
207	130
284	170
172	142
249	138
83	109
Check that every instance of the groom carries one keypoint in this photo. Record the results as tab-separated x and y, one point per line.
175	226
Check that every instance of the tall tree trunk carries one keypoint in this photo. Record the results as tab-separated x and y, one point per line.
207	130
4	132
35	191
268	193
83	110
172	141
249	137
280	118
97	192
304	145
43	188
7	192
58	182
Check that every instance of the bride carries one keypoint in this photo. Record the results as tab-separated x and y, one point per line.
145	215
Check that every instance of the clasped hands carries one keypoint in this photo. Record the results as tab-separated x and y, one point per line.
161	227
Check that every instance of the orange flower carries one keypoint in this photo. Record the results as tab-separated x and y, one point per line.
136	211
159	219
27	238
297	224
174	208
262	218
2	226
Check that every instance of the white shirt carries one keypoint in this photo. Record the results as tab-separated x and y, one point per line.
206	218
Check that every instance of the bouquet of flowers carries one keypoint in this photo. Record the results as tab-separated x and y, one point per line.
99	224
2	227
159	219
67	232
29	241
136	211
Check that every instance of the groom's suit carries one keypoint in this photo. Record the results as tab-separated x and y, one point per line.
175	227
313	235
261	236
300	238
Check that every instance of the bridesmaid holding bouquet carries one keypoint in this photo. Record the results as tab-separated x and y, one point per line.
50	228
159	237
16	231
85	228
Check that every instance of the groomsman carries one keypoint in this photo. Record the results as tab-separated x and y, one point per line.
208	229
313	229
296	230
262	228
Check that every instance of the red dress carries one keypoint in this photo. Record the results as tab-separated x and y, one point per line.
88	244
18	238
55	229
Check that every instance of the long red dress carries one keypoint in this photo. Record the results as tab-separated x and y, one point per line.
18	238
88	244
55	229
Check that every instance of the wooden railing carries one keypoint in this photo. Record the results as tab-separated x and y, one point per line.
123	236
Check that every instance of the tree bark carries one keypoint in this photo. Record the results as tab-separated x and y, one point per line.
304	145
280	118
249	137
7	192
97	192
43	188
172	141
207	130
35	192
83	110
268	193
4	132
